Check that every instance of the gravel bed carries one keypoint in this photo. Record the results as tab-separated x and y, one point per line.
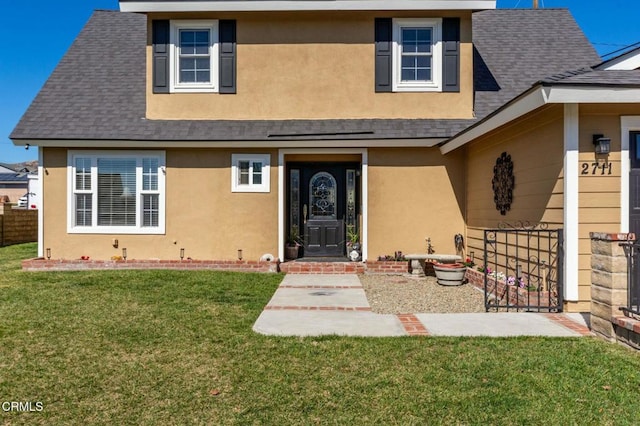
404	294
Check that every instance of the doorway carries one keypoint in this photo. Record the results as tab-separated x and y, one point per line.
323	204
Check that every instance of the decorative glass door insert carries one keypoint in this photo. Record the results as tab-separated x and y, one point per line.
322	196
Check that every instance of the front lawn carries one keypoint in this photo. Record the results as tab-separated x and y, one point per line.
176	347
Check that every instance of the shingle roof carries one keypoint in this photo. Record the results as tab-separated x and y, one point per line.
13	177
620	78
521	47
98	89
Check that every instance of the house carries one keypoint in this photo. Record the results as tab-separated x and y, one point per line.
13	184
212	128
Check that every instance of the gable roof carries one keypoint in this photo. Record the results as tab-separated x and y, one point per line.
520	47
90	98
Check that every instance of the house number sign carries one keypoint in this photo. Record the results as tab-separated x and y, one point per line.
596	169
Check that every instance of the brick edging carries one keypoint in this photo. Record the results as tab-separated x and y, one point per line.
293	267
568	323
412	325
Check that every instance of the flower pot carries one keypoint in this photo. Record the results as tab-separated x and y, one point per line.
291	252
450	273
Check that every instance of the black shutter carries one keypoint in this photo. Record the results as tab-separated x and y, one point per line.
451	55
160	36
383	29
227	58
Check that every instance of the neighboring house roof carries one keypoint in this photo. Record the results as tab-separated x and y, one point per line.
629	60
6	168
13	177
90	98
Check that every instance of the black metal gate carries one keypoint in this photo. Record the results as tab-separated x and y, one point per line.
523	268
632	251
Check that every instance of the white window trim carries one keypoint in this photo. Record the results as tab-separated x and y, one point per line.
95	229
435	85
265	159
176	26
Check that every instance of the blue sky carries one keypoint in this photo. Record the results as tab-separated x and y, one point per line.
38	33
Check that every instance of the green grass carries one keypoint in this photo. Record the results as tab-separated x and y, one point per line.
158	347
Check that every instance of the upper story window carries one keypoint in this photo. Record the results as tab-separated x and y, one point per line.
250	173
116	193
417	52
194	56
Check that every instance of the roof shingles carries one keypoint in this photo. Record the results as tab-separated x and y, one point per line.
98	89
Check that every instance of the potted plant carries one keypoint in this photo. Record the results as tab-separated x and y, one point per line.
292	248
353	243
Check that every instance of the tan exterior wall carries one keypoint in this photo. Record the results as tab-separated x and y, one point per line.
599	199
536	146
311	66
203	216
414	194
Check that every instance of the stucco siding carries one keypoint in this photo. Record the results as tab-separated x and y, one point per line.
311	66
414	194
203	216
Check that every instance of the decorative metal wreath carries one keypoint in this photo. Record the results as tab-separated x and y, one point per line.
503	183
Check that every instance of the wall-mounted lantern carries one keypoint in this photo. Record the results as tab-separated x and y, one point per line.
602	144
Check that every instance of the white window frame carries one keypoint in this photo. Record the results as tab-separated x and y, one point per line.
265	159
94	156
435	85
174	67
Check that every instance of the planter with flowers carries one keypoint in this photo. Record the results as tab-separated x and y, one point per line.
508	289
353	243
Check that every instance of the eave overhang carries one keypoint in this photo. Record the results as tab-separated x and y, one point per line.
301	5
538	96
262	144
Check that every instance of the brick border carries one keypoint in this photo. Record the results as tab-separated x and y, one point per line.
292	267
41	264
412	325
568	323
318	308
341	287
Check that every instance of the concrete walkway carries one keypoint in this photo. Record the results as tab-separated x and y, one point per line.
314	305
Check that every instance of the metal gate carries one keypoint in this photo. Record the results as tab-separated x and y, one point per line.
632	252
523	268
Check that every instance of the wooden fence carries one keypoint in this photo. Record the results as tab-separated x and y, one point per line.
17	225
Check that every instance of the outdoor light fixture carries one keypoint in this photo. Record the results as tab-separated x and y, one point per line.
181	253
48	253
124	253
602	144
472	256
239	254
518	271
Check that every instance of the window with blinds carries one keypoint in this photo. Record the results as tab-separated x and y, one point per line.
117	193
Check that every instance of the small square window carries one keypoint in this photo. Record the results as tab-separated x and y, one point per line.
250	173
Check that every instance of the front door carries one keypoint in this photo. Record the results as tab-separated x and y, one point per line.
318	205
323	229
